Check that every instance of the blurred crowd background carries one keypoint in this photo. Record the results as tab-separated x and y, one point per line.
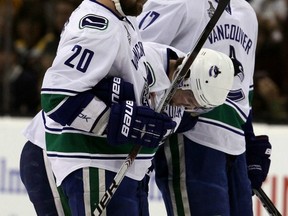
30	31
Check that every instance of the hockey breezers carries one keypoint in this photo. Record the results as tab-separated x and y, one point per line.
266	202
180	75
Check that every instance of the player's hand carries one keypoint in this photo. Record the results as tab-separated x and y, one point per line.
114	90
258	151
137	124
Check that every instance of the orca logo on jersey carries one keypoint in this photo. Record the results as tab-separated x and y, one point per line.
94	21
116	90
127	118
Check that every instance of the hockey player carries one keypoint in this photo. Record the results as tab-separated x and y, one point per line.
204	170
209	62
77	123
86	139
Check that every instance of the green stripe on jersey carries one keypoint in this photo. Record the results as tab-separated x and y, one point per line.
64	202
225	114
81	143
94	187
50	101
174	147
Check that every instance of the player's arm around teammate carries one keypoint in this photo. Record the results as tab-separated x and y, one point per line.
86	139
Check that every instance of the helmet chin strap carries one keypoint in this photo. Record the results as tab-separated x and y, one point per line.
118	7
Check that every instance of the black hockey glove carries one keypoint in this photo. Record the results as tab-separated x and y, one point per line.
258	151
114	90
129	123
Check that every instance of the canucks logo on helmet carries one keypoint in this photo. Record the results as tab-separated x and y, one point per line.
214	71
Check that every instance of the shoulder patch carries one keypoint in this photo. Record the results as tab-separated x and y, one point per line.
94	21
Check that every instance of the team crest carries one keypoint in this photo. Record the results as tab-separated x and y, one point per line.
238	67
94	21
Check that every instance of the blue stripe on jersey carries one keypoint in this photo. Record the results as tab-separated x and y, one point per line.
58	91
236	95
67	129
100	157
71	108
231	103
207	121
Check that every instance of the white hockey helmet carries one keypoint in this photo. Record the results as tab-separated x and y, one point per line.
211	78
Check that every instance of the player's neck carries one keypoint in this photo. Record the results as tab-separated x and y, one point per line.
110	4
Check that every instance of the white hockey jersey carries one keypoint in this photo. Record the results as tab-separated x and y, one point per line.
94	44
236	36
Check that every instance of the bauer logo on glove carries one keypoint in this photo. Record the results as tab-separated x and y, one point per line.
114	90
127	118
129	123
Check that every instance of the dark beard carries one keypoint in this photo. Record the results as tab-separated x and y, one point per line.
131	9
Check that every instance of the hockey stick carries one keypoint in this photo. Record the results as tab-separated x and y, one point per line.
266	202
162	105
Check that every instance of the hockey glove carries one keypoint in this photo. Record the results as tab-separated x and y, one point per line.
137	124
113	90
258	151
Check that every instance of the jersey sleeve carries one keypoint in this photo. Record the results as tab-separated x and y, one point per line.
82	60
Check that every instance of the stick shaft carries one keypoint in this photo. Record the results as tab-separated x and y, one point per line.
117	180
266	202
